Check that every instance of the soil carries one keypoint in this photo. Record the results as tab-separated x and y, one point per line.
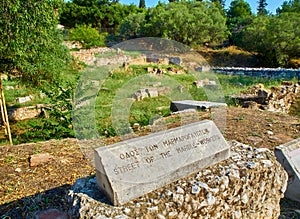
25	190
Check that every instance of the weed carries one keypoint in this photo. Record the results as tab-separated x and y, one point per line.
9	159
242	118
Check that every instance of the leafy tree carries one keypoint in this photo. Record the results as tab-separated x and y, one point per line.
142	4
30	41
239	16
239	9
261	9
98	13
289	6
221	2
191	23
276	39
132	26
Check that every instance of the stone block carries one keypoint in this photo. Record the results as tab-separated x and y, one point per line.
247	186
24	99
152	92
289	156
175	60
38	159
193	104
134	167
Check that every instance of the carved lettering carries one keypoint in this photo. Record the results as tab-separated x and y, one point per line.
131	154
126	168
165	154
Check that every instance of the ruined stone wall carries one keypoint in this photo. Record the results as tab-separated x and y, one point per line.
275	99
88	55
259	72
248	185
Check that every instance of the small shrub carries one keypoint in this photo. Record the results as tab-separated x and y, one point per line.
87	36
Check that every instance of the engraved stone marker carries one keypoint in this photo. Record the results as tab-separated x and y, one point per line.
193	104
289	156
132	168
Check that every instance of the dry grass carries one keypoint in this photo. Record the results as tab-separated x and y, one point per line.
229	56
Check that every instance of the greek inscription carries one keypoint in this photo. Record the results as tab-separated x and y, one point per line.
127	155
186	137
151	148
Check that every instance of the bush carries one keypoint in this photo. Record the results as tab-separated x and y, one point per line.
87	36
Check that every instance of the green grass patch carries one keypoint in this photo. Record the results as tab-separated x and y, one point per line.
114	104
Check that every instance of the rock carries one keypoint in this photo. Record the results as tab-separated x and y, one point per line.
173	214
18	170
288	155
22	113
269	132
38	159
255	140
210	199
152	92
9	88
251	164
160	216
195	189
179	190
278	99
4	77
136	126
24	99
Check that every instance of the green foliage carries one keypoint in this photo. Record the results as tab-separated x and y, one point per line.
190	23
30	42
239	16
142	4
276	39
56	120
87	36
261	9
289	6
238	9
133	26
98	14
220	2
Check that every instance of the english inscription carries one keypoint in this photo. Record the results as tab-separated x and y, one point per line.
157	159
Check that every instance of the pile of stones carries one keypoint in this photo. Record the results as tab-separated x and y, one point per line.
276	99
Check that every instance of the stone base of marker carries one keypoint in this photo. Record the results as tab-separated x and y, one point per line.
193	104
134	167
248	185
289	156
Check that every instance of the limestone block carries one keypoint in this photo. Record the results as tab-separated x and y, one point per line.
248	185
289	156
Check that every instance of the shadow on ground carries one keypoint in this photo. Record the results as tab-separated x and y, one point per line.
26	207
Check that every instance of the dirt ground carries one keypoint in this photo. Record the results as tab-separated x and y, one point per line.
25	189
